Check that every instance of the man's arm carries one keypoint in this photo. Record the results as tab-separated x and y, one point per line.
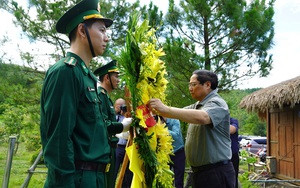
195	116
61	98
233	125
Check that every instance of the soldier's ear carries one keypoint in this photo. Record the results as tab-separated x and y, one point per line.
106	77
81	30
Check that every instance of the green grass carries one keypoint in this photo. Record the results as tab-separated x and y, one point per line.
20	165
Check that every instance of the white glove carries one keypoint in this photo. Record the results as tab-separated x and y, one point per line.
123	135
126	124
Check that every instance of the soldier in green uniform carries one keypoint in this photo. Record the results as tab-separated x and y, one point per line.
73	131
109	80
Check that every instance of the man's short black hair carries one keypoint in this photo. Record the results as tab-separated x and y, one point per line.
205	75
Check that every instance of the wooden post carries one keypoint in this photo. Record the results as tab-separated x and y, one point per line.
10	154
32	169
120	176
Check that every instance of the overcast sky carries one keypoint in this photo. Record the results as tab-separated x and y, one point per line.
286	50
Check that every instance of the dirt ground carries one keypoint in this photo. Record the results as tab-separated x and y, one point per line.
265	180
278	185
270	182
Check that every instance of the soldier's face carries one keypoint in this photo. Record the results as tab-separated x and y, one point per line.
99	37
115	80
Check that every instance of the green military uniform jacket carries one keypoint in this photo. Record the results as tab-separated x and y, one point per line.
113	127
108	109
72	123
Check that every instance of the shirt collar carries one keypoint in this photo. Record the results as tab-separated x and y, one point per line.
201	103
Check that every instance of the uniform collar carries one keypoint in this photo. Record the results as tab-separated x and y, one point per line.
81	63
102	90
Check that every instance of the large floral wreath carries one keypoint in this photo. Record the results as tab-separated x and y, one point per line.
144	74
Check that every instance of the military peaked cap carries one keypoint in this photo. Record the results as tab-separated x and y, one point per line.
108	68
84	10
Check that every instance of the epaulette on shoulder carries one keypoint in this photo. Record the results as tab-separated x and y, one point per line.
70	61
102	91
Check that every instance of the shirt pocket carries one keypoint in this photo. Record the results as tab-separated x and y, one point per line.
93	105
112	112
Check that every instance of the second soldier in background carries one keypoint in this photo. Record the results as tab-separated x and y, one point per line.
109	80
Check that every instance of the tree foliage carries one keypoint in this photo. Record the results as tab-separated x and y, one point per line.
228	37
19	103
249	123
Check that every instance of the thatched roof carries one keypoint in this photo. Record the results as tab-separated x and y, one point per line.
286	93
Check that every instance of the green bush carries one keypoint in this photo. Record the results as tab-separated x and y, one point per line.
33	142
35	156
2	132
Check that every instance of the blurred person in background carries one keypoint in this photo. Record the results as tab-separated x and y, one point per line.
121	109
234	134
109	80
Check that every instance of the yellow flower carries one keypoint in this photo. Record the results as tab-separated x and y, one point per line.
160	52
164	150
153	140
139	115
142	47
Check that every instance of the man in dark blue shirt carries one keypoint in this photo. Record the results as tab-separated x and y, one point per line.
234	126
